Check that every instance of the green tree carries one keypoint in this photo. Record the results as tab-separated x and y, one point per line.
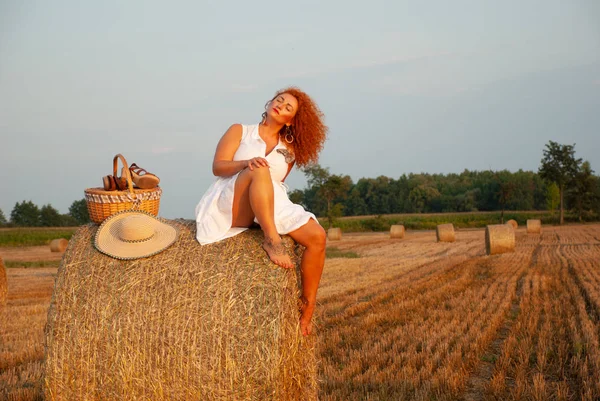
25	214
3	221
336	211
50	217
79	211
560	166
355	205
316	175
336	187
506	189
552	197
66	220
582	195
421	196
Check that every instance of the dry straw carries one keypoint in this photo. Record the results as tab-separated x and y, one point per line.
445	233
58	245
334	234
513	223
534	226
397	231
3	283
499	238
213	322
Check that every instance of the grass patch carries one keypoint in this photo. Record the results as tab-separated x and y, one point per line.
29	236
38	263
333	252
431	220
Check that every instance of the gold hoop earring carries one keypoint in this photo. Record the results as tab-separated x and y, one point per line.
289	136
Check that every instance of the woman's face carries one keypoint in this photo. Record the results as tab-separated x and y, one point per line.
283	108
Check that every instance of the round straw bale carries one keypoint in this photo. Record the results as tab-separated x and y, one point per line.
58	245
534	226
334	234
499	238
513	223
445	233
3	283
212	322
397	231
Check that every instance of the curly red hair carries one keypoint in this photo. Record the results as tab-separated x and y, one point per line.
308	128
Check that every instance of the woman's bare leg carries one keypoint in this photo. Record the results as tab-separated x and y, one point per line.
253	196
313	237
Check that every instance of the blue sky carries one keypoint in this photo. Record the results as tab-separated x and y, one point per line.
406	87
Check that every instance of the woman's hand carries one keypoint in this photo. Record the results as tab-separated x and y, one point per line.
257	162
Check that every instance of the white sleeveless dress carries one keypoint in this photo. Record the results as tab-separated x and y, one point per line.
214	211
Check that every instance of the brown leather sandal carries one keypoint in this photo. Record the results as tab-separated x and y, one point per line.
108	182
113	183
141	178
121	182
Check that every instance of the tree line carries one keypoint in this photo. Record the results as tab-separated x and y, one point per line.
28	214
562	182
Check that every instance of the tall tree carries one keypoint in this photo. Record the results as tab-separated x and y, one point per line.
506	189
336	187
79	211
25	214
50	217
3	221
583	192
552	197
316	175
560	166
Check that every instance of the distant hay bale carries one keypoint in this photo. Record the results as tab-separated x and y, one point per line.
3	283
212	322
397	231
58	245
334	234
534	226
499	238
513	223
445	233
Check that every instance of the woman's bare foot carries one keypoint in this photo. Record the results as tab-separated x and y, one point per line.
277	253
306	312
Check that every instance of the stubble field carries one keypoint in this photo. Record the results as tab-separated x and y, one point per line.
411	319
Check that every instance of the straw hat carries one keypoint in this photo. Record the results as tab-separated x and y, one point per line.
133	234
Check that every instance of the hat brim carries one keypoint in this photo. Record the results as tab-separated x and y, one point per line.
109	244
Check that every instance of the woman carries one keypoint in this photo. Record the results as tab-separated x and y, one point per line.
251	163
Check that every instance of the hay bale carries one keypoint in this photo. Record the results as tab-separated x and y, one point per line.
334	234
58	245
499	238
213	322
534	226
3	284
513	223
445	233
397	231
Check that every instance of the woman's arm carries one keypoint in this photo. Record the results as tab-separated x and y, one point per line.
223	163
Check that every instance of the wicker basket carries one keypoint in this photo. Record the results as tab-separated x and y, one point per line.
102	204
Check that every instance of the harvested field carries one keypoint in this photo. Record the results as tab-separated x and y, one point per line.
414	319
30	254
22	333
